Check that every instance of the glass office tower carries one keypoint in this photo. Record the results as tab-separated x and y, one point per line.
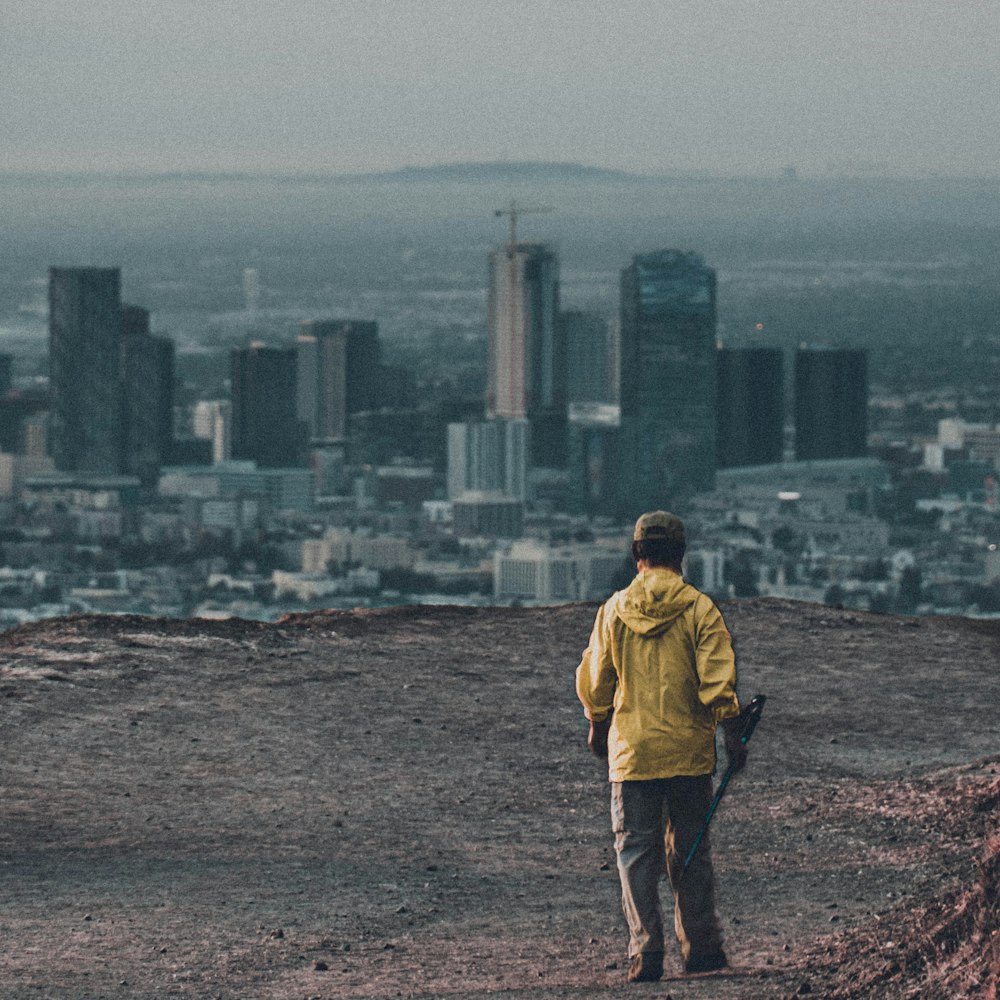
668	378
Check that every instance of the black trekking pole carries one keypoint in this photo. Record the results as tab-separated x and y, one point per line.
750	716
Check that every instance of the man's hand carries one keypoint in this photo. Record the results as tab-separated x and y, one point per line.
597	738
736	750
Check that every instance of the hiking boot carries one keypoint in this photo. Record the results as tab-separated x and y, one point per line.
646	967
709	962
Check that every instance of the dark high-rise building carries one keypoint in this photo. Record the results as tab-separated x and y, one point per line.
86	432
20	408
6	374
751	407
668	378
339	373
377	437
831	404
147	371
526	371
265	426
589	357
111	380
595	460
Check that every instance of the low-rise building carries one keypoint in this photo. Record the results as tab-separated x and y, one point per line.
344	548
16	469
530	570
310	587
281	489
487	515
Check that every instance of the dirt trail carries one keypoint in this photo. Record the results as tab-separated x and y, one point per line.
400	803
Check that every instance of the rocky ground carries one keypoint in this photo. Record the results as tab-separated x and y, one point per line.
400	803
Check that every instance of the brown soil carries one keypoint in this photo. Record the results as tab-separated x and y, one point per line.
400	803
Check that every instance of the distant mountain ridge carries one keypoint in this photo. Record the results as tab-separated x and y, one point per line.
503	170
487	171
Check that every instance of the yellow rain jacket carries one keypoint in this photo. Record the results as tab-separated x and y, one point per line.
661	658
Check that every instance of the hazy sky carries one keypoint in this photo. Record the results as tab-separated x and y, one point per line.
731	87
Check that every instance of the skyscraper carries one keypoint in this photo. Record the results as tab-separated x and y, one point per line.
6	373
265	427
339	365
668	377
526	372
595	460
590	362
86	432
251	289
831	404
111	380
490	457
751	407
213	422
147	372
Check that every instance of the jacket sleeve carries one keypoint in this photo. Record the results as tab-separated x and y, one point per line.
716	662
596	677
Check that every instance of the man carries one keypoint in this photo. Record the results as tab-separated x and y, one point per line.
658	676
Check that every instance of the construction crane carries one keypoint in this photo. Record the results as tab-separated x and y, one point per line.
517	346
513	210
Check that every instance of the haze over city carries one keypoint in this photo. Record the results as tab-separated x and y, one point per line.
353	86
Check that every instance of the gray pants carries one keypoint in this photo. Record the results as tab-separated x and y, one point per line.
655	824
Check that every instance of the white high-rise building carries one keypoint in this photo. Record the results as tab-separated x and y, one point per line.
213	422
531	570
251	289
525	371
490	457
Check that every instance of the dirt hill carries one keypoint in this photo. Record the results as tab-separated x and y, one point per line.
400	803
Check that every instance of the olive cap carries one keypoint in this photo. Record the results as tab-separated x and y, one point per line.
659	524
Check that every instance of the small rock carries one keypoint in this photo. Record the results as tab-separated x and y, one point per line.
834	919
804	988
346	946
163	950
388	946
432	868
277	934
401	909
611	965
320	966
592	941
87	916
605	867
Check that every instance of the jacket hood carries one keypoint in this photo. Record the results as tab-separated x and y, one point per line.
654	599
